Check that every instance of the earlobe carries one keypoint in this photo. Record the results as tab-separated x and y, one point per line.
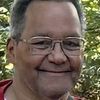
10	54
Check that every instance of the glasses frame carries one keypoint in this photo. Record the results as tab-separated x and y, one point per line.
54	41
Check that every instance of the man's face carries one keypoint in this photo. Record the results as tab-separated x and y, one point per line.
54	74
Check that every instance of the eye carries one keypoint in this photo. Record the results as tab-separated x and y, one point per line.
71	44
41	43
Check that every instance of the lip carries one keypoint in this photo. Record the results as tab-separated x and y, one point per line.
53	71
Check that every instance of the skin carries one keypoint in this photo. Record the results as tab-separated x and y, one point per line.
56	20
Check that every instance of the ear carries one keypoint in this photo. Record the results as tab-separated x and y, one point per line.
10	47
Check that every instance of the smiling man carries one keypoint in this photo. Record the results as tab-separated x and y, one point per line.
45	46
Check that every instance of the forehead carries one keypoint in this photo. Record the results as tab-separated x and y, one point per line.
54	18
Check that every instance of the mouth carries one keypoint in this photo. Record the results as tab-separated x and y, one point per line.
54	71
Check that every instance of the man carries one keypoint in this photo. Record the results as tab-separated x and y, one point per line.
45	47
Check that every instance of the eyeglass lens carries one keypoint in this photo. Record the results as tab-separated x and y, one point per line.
71	46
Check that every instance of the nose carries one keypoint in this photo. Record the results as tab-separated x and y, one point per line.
57	55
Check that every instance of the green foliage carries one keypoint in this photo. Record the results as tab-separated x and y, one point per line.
89	82
4	30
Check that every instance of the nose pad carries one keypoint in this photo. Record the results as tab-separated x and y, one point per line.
57	55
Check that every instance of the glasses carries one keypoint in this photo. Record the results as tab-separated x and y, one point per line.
44	45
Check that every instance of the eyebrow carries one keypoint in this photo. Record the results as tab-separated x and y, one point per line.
51	34
72	35
42	34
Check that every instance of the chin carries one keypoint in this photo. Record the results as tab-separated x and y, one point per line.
54	92
54	85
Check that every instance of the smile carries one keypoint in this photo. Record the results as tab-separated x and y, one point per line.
53	71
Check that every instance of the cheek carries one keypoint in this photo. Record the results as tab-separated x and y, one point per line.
30	62
35	61
76	65
24	60
76	62
26	69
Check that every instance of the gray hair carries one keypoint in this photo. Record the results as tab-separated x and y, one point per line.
18	9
